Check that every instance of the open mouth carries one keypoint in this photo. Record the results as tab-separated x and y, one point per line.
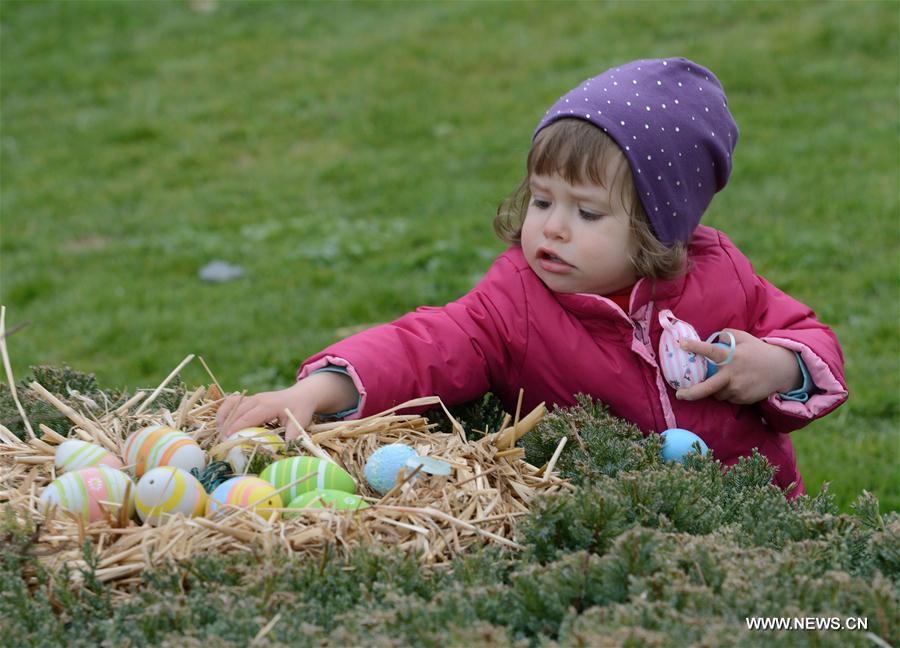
543	254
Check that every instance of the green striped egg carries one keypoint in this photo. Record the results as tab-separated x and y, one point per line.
74	454
334	499
81	491
325	475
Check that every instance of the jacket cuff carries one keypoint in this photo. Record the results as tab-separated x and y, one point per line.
828	392
802	393
338	365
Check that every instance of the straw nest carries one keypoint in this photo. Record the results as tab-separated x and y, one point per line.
432	517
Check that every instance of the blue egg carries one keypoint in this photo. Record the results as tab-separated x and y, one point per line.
384	464
678	443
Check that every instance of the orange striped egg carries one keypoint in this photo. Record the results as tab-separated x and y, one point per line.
74	454
245	492
159	445
84	491
167	490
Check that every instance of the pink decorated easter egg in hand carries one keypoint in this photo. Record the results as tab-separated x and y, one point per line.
680	368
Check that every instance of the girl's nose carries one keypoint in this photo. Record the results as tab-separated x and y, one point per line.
555	226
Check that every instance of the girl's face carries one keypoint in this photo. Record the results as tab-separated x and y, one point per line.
577	238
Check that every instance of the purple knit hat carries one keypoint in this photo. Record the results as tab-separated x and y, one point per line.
670	118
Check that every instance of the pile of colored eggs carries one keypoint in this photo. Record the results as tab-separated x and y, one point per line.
162	459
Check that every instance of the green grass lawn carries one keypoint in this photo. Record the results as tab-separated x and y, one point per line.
351	156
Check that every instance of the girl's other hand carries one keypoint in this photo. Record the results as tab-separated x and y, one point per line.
757	370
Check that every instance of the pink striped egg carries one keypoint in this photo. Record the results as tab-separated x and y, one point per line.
680	368
82	491
74	454
244	492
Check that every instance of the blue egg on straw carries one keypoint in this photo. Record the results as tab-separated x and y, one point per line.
383	465
678	443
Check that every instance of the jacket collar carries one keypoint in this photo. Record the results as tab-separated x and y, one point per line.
645	290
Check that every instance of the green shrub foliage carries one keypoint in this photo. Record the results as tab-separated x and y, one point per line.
639	553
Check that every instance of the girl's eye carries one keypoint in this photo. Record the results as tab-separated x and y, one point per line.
590	216
540	204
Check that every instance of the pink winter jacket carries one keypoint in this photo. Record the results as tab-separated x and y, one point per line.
510	331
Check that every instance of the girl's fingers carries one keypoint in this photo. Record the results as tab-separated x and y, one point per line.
706	388
291	432
225	410
714	352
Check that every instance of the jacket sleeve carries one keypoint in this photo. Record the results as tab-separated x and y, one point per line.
779	319
456	352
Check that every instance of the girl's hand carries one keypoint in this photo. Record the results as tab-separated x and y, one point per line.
757	370
321	392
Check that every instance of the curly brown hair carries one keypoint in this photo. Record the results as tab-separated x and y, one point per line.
578	151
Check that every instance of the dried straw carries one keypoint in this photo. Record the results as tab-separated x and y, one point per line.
435	518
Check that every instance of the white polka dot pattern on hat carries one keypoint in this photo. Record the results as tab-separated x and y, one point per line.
675	144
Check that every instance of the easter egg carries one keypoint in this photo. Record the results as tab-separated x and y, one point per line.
239	455
335	499
245	492
678	443
325	475
680	368
74	454
159	445
167	490
383	465
82	491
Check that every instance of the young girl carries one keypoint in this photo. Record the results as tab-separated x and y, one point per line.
606	254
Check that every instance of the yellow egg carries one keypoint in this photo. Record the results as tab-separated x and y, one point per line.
239	455
245	492
168	490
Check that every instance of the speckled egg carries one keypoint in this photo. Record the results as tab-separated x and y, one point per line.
325	475
334	499
159	445
168	490
82	491
383	465
245	492
75	453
